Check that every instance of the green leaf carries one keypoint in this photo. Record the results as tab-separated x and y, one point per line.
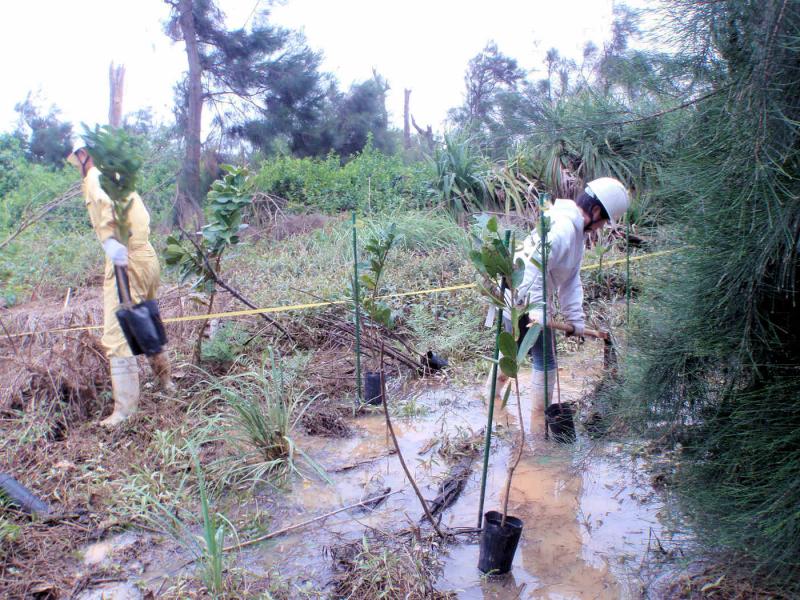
507	344
509	366
477	260
517	277
528	341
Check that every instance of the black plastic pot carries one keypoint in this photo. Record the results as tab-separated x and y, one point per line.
18	494
498	544
433	362
141	323
559	418
372	388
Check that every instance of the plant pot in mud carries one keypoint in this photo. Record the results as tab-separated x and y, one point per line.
560	421
498	543
373	394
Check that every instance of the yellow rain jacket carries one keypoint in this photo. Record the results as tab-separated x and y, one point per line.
143	267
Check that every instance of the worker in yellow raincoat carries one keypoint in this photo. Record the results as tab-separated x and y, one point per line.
143	272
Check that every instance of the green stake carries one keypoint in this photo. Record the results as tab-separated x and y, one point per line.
488	442
357	307
545	333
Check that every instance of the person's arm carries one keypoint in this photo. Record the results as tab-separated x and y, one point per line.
101	214
570	295
557	239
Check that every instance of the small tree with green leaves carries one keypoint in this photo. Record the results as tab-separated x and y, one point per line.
201	259
494	261
119	157
377	247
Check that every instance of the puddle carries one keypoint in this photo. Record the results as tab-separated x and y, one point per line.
112	591
587	519
100	552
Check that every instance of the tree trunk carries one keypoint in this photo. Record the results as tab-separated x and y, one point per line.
116	82
406	125
425	134
187	203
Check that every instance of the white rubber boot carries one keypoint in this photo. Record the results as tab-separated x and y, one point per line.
163	372
125	386
538	393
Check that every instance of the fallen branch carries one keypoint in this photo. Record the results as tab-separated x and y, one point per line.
367	342
400	454
73	192
452	485
221	283
272	534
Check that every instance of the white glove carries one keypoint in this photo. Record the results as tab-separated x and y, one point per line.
577	329
116	252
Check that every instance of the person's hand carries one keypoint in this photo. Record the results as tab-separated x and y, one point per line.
577	330
116	252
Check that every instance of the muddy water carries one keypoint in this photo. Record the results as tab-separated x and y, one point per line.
587	518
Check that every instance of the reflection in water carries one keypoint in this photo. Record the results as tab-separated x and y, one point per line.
575	516
579	520
546	495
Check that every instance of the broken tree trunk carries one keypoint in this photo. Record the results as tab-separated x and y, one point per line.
116	83
426	134
406	125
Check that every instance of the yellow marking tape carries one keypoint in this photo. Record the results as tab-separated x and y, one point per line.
619	261
293	307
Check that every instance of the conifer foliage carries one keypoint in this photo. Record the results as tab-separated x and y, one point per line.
715	356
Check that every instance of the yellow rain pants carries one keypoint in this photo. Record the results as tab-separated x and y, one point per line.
143	267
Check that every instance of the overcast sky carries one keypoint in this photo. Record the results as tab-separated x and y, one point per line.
61	50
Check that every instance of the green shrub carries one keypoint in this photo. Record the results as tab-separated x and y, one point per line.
371	181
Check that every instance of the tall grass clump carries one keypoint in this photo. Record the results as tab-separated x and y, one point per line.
714	359
213	538
265	405
461	176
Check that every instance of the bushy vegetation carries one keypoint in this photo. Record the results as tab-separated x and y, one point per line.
371	181
714	360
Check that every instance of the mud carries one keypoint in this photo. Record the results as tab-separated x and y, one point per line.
590	515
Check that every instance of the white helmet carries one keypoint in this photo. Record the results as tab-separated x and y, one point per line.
611	194
77	144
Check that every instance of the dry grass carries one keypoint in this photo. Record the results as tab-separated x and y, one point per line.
388	568
55	388
728	581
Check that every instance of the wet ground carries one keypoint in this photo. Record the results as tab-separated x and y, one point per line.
589	514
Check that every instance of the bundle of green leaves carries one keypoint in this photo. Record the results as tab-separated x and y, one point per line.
227	198
118	156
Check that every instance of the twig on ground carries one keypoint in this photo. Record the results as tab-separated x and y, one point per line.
272	534
10	339
519	454
422	500
220	282
358	463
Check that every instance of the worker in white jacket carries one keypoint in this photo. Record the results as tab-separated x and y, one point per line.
604	200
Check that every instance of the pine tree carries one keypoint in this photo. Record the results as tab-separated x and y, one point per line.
715	356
